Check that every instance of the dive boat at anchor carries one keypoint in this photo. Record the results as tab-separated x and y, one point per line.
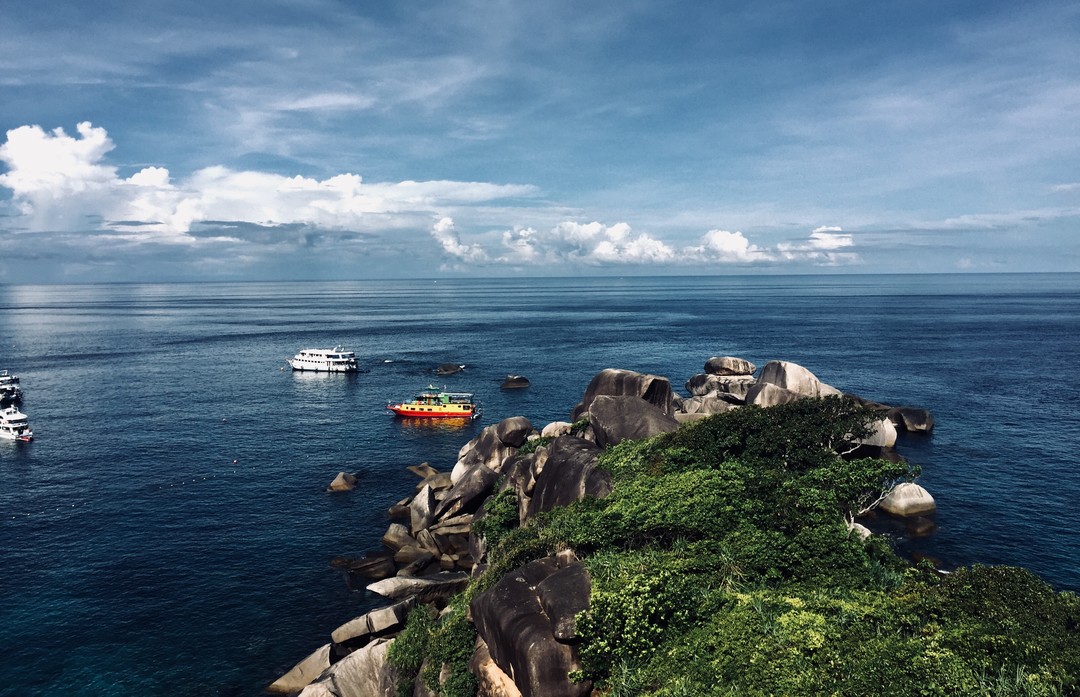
9	387
434	403
14	425
335	360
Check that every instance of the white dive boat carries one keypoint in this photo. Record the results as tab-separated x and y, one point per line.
14	425
335	360
9	387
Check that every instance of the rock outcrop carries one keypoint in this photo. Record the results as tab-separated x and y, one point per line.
615	419
527	621
363	673
626	383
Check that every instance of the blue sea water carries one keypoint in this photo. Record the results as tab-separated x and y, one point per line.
168	532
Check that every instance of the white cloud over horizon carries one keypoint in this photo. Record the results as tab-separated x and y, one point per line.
62	183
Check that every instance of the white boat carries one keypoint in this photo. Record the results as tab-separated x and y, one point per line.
335	360
9	387
14	425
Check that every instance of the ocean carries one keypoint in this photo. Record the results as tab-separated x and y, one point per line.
168	531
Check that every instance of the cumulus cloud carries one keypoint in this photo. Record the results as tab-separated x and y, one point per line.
725	247
586	243
446	235
59	182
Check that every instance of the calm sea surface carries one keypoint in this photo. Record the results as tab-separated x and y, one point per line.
168	532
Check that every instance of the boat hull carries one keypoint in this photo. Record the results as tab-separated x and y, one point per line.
430	412
316	368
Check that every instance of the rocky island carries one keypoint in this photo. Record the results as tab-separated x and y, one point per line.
666	545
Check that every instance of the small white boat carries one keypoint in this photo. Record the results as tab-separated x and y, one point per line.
14	425
9	387
335	360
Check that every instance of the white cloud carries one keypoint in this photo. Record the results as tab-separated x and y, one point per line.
60	182
1071	186
725	247
588	243
820	247
446	234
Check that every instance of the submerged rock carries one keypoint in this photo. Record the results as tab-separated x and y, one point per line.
449	369
343	482
515	382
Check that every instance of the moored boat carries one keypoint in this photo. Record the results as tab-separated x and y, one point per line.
335	360
14	425
433	403
9	387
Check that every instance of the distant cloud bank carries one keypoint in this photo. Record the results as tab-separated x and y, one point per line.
62	183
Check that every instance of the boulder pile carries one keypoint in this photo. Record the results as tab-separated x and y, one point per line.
525	621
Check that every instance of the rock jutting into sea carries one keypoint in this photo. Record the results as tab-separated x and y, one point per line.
525	620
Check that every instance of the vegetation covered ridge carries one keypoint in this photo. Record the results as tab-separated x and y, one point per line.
721	563
658	545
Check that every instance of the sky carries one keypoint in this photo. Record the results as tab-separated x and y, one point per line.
314	139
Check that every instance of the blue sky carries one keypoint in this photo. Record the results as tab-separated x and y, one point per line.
312	139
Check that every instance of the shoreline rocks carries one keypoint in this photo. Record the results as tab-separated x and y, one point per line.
525	620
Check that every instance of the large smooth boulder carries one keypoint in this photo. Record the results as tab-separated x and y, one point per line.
301	675
569	474
797	379
513	431
626	383
615	419
365	672
766	394
882	436
908	499
729	365
449	369
513	619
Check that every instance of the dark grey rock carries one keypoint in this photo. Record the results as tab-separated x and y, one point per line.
912	419
449	369
513	431
626	383
510	617
469	492
569	474
615	419
515	382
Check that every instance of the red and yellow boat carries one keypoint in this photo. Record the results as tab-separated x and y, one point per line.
434	403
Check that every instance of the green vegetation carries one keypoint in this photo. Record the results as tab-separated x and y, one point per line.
722	564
